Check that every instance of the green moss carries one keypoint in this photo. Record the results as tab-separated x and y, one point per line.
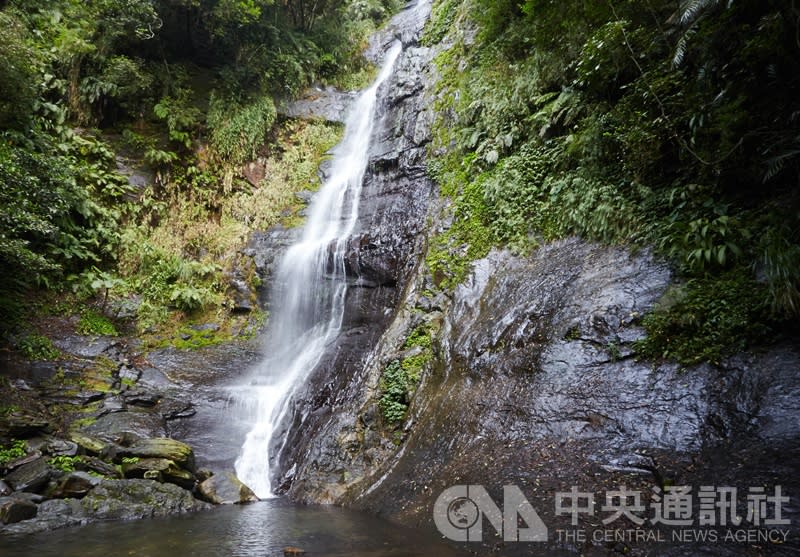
421	336
189	338
83	422
95	324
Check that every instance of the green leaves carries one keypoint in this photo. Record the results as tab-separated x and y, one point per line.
238	131
394	393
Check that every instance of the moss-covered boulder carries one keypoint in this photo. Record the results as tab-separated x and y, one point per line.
131	499
162	447
159	469
88	443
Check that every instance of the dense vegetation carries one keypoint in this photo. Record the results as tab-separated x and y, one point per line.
666	124
185	89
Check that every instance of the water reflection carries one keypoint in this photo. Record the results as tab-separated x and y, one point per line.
261	529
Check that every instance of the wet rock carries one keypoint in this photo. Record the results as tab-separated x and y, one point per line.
87	397
141	396
132	499
241	294
94	464
5	489
75	485
17	510
88	443
52	514
61	447
31	476
266	249
177	409
225	489
138	176
28	458
126	308
127	373
140	422
304	196
159	469
19	425
84	347
319	103
112	404
162	448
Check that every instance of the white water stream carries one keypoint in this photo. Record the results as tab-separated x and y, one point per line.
309	293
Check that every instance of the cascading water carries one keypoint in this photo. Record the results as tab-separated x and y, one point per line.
310	289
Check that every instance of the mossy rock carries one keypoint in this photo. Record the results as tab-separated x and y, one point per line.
159	469
162	448
87	442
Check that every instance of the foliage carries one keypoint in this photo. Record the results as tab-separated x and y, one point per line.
705	320
394	393
17	449
237	132
74	75
64	463
633	123
95	324
34	346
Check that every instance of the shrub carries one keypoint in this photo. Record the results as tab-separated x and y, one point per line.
238	131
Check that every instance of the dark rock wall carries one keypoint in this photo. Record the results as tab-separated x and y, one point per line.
383	254
534	380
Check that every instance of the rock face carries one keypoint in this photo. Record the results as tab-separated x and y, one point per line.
320	103
384	248
532	378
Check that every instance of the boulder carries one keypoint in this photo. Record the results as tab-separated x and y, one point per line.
132	499
61	447
94	464
76	485
31	476
225	489
159	469
87	442
162	447
17	510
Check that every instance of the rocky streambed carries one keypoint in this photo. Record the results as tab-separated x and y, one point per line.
94	435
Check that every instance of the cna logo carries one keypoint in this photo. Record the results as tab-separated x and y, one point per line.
459	512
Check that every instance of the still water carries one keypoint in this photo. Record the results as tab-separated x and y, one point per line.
261	529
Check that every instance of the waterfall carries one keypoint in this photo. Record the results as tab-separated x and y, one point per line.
309	295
